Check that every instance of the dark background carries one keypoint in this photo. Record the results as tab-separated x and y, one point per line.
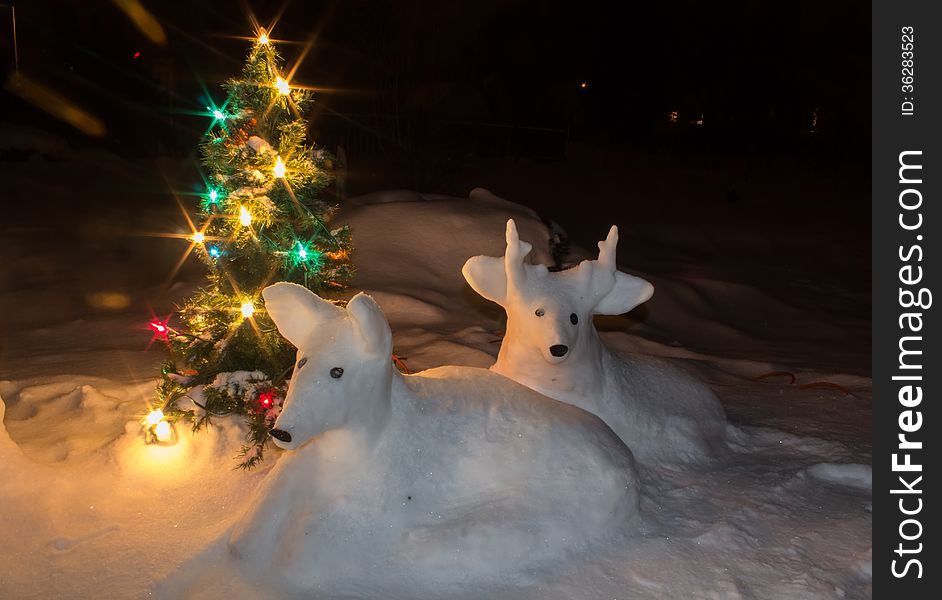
429	84
761	180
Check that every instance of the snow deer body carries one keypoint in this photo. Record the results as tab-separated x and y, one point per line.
552	346
455	472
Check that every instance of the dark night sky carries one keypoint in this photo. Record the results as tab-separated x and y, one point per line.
756	70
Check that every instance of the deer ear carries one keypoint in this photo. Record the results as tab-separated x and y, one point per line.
487	277
297	311
628	292
371	324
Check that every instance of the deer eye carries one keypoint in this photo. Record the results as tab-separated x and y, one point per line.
573	318
540	312
336	372
302	362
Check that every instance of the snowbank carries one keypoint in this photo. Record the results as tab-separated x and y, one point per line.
89	511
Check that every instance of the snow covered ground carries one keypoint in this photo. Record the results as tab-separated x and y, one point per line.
88	511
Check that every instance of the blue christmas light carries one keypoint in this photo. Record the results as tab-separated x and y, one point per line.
214	251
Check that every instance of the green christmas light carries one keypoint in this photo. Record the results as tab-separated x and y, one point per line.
211	199
304	255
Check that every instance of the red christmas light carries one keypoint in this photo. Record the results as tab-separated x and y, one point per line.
266	400
161	331
137	55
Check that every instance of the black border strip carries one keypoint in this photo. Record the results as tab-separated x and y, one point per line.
907	225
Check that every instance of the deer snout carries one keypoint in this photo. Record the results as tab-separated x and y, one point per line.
281	435
559	350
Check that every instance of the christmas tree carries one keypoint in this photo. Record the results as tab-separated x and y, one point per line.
262	218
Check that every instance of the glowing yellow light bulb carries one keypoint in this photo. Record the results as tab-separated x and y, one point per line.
198	237
263	38
248	309
154	417
279	170
283	88
245	217
163	431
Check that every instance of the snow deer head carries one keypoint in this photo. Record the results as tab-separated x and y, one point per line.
343	373
551	313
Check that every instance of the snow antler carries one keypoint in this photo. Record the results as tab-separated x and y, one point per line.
516	251
607	250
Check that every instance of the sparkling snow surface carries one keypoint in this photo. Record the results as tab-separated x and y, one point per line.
88	511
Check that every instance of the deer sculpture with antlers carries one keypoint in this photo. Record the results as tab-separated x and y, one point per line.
551	345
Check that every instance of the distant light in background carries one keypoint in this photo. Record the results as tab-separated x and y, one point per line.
584	85
136	55
814	120
109	300
143	20
55	104
699	121
673	116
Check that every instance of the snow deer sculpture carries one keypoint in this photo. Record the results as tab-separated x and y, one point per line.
551	345
458	471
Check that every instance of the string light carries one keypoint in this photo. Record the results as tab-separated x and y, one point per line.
214	251
220	116
266	399
302	252
213	195
198	237
247	309
245	217
154	417
163	432
283	88
280	169
263	38
160	328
